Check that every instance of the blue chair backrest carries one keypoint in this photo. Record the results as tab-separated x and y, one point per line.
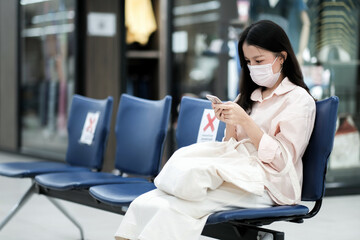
190	115
141	127
82	154
315	159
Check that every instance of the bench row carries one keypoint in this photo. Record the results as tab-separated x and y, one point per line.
141	127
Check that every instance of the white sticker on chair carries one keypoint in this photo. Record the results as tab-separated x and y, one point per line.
208	127
89	128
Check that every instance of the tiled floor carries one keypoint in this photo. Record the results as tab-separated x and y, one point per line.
339	218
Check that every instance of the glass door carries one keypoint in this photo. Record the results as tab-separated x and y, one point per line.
47	38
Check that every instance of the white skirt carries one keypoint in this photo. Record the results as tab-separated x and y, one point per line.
197	181
157	215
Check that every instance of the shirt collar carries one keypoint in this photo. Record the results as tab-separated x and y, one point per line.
284	87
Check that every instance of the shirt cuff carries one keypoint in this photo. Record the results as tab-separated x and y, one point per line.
267	148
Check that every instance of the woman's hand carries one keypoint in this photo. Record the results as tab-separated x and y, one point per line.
230	130
231	113
217	110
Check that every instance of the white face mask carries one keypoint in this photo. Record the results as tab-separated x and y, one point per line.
263	75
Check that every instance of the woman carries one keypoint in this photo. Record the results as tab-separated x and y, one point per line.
259	162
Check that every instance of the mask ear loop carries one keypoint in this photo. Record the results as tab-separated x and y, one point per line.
283	58
281	63
274	60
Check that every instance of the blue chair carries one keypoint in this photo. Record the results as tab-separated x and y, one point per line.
80	157
245	223
141	128
191	112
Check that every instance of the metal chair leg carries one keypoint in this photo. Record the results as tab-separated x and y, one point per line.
18	205
67	214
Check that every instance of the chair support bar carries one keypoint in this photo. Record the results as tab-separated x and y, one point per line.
314	210
18	205
31	191
67	214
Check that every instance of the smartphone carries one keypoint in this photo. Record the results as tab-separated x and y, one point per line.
213	99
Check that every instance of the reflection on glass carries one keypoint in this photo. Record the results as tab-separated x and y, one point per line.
47	81
324	35
334	46
200	47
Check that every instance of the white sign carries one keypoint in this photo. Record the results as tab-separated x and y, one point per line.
208	127
101	24
180	42
89	128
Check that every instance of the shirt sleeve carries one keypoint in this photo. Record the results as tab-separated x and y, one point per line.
293	133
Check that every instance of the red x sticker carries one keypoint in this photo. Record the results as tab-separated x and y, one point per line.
90	127
208	126
210	123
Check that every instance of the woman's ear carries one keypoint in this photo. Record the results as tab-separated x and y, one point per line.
283	55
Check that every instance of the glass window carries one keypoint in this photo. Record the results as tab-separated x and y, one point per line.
332	68
201	46
47	74
324	35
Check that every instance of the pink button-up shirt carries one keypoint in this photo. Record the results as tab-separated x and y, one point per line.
287	118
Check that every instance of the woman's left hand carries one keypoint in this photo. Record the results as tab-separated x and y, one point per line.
232	113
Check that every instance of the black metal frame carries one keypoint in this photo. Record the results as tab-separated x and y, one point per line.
246	229
238	231
80	196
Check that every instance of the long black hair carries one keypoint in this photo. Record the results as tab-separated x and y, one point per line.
269	36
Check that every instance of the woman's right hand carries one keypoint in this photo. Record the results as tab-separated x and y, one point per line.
217	110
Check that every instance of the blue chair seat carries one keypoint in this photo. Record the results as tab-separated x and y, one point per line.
120	194
81	180
258	213
31	169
